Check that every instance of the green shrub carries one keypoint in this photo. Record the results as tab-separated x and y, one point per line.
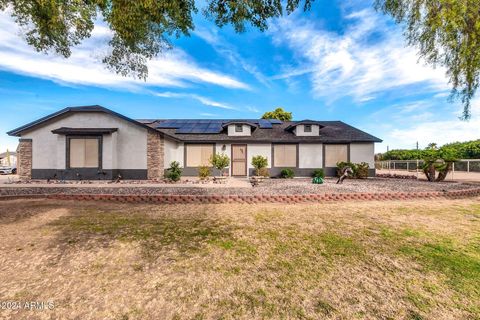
220	161
204	172
342	165
287	173
318	173
360	170
259	163
174	172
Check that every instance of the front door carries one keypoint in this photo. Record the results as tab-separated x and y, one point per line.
239	160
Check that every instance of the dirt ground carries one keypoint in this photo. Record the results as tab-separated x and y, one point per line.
369	260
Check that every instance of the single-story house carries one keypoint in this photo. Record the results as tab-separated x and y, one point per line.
93	142
8	159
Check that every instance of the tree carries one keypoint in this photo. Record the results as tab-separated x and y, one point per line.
446	33
259	163
220	161
278	114
438	160
141	29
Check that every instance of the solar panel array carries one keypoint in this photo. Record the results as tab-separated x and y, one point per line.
209	126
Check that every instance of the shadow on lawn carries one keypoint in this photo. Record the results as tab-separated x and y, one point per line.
87	227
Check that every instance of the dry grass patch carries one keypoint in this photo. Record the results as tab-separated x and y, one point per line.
380	260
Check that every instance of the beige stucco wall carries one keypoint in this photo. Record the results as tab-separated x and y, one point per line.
247	130
264	150
310	155
125	149
174	151
363	152
300	131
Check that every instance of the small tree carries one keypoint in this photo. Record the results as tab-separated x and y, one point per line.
204	172
278	114
438	160
259	163
220	161
174	172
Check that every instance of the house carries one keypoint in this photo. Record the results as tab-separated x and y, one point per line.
8	159
93	142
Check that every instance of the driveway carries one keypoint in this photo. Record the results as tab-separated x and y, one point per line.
4	178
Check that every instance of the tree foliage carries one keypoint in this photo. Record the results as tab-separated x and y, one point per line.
463	150
220	161
446	33
141	29
278	114
438	160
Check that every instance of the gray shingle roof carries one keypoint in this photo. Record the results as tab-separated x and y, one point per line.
330	132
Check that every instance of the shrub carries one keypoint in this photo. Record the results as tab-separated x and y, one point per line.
287	173
318	173
259	163
342	165
360	170
174	172
220	161
204	172
263	172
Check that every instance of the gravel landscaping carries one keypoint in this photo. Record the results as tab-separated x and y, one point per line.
270	187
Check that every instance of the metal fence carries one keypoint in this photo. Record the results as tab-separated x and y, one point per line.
464	165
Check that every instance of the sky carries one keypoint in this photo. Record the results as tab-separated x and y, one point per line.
340	61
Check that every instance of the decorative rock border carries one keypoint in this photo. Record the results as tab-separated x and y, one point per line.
290	198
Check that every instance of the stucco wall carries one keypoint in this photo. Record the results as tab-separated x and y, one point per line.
264	150
125	149
300	131
174	151
245	132
310	155
363	152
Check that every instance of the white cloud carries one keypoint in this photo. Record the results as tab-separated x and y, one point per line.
369	57
203	100
228	51
172	69
417	122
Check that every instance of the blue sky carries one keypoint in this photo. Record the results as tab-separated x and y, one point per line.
340	61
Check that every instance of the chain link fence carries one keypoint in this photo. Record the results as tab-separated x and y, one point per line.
464	165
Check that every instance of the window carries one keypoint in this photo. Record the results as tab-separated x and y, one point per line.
199	154
307	128
238	128
84	152
335	153
285	155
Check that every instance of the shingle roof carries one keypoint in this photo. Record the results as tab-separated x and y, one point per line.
50	117
330	132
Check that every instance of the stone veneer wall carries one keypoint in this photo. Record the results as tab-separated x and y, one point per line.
155	155
24	159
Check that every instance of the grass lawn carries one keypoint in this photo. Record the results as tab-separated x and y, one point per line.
364	260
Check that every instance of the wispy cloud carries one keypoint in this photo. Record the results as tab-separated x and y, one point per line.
401	126
368	58
228	51
203	100
174	68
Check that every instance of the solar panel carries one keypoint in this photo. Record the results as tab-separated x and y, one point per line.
265	124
